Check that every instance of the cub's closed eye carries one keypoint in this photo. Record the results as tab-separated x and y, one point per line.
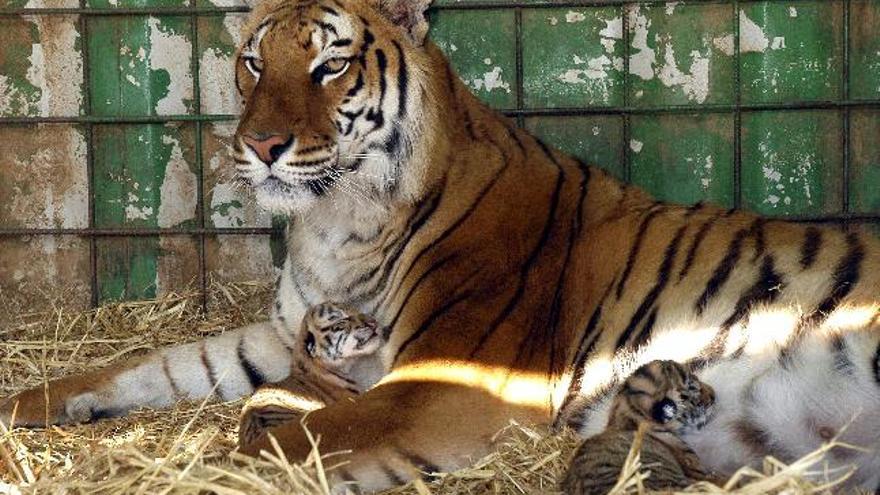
310	344
663	411
330	70
254	65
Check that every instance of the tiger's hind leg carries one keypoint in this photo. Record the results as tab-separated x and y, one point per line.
399	431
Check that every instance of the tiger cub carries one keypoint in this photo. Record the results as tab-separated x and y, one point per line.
664	400
336	356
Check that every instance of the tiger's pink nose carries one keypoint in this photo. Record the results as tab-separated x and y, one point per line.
270	149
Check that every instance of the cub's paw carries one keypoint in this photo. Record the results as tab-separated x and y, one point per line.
255	421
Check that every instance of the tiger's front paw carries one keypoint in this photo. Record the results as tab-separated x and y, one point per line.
58	403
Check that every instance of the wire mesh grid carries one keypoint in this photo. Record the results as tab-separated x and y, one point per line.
520	112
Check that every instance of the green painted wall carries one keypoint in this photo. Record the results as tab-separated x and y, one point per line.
775	108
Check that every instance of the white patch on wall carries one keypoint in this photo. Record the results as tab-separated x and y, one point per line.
792	12
224	197
636	145
670	7
217	83
72	212
612	32
778	43
135	212
695	83
234	25
725	44
171	52
702	167
36	75
779	183
228	3
55	68
596	72
573	17
492	80
751	36
51	4
178	190
63	93
643	59
613	28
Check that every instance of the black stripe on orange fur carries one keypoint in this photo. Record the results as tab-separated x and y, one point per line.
636	247
811	247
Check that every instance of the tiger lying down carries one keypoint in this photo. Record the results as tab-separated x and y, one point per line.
513	281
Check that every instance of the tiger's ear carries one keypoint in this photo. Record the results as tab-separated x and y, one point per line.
408	15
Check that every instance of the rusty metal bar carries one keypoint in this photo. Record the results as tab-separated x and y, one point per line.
446	5
845	128
513	112
136	232
627	88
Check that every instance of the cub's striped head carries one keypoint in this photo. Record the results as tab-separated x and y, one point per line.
332	93
333	335
665	395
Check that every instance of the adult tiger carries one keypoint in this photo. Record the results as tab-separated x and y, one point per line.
515	282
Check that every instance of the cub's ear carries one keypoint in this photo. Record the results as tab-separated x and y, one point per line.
408	14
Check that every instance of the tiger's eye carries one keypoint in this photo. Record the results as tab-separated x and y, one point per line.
254	65
335	65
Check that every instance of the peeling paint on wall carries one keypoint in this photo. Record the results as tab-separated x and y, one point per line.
492	80
230	205
44	181
695	83
575	63
218	39
178	193
751	36
47	79
770	165
642	59
166	48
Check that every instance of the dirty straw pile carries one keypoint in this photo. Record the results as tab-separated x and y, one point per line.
191	449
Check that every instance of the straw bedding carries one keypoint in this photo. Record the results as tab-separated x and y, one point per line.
191	449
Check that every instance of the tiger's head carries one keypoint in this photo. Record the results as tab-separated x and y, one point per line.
334	335
334	102
665	395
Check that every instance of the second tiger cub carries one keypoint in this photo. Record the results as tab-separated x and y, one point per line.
665	400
